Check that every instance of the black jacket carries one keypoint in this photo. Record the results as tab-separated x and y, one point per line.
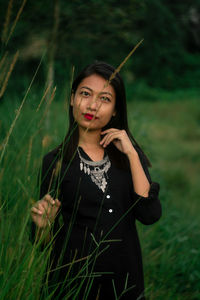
95	222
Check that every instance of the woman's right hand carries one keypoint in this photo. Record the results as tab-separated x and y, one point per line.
45	210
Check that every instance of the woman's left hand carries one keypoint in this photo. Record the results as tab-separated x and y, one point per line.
120	139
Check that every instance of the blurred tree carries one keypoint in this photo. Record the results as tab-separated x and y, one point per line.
81	31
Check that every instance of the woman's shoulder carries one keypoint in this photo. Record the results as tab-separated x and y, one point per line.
51	157
56	159
52	153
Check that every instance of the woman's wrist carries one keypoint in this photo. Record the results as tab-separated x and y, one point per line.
132	154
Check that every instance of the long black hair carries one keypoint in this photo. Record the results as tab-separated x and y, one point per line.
118	121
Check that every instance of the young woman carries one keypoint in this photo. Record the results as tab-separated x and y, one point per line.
97	180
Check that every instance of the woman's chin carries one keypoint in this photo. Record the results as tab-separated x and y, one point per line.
89	127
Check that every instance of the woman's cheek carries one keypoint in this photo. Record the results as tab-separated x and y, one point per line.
77	111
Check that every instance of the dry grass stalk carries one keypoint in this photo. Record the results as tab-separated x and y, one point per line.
51	181
2	61
71	263
51	98
47	107
52	47
32	257
29	153
4	70
7	21
18	111
117	70
3	88
58	168
44	96
68	99
1	174
98	293
16	20
46	141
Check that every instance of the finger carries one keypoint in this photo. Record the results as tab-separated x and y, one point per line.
56	207
48	210
110	138
106	136
104	140
57	203
109	130
52	208
35	210
43	206
48	207
49	199
52	211
117	134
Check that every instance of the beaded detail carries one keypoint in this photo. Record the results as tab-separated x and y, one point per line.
97	170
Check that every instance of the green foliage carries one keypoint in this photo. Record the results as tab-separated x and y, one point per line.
168	132
77	32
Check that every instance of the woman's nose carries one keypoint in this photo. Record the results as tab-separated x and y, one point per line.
93	103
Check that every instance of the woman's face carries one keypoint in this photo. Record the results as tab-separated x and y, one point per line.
93	103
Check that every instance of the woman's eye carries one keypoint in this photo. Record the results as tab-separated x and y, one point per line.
84	93
106	99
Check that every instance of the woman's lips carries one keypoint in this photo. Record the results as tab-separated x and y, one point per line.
89	116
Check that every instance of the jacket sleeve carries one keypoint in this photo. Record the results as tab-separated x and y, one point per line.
147	209
46	185
47	181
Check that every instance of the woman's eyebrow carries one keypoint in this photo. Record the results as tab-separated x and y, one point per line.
100	93
106	93
85	87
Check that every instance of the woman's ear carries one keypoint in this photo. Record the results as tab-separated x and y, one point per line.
114	113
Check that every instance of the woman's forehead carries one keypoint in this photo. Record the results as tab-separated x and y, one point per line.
97	84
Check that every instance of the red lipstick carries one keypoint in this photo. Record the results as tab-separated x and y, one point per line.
89	116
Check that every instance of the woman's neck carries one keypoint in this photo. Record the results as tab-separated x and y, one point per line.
89	138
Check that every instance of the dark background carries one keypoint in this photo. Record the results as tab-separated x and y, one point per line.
75	33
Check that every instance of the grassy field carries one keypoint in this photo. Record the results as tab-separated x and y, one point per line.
169	132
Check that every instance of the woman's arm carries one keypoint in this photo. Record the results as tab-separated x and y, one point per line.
140	182
147	209
122	142
44	211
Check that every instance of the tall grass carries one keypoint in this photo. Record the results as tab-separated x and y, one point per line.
168	131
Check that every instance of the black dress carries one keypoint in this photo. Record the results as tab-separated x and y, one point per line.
98	232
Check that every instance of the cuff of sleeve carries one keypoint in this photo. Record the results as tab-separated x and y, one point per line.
153	191
148	209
